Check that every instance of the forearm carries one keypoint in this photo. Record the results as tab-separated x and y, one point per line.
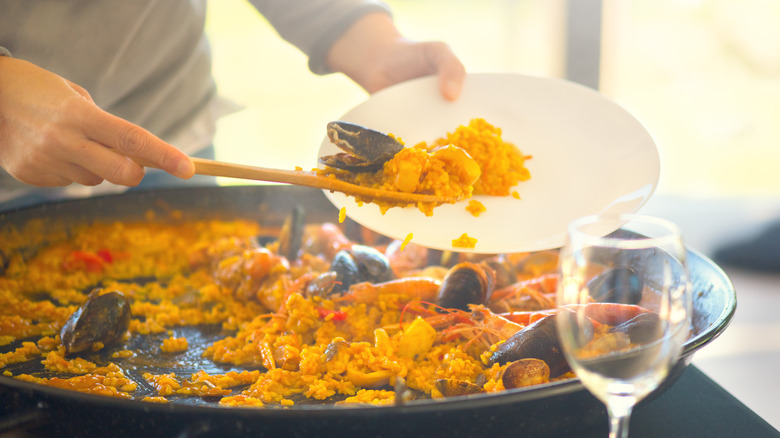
314	25
360	51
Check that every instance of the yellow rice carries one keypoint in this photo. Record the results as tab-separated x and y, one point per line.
417	170
502	164
292	347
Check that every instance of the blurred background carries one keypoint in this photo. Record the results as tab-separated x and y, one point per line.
703	76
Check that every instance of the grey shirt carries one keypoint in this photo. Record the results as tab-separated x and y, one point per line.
148	61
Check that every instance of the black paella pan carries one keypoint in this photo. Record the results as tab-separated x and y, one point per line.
557	408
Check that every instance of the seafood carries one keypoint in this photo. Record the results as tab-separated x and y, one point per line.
336	321
466	283
456	387
503	269
324	240
461	163
365	150
602	287
641	329
534	294
540	338
413	288
357	264
102	319
408	260
480	327
291	236
525	372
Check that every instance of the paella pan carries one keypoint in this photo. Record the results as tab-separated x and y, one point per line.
714	307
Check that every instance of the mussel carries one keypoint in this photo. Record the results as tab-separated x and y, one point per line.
641	329
104	318
466	283
365	150
525	372
4	262
351	266
504	271
603	287
372	264
291	235
538	340
455	387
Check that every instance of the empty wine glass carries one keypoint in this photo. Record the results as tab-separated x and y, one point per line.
624	298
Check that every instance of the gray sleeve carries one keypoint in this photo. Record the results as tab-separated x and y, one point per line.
4	51
314	25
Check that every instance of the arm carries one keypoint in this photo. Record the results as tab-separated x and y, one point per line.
53	134
375	55
359	39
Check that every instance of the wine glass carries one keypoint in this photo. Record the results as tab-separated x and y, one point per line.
624	307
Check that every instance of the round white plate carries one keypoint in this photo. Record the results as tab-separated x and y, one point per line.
589	156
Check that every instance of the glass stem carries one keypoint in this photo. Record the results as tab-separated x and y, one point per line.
618	421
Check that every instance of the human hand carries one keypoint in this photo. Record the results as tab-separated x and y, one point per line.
375	55
52	134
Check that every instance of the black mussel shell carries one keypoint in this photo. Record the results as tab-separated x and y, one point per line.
372	264
641	329
466	283
104	317
291	236
603	287
351	163
456	387
370	145
4	262
538	340
324	285
366	149
504	271
347	272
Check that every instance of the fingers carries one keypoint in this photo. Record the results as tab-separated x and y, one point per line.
97	162
448	67
52	134
409	60
124	138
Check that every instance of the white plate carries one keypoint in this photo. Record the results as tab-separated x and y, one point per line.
589	156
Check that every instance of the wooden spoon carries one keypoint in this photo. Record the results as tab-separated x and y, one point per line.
310	179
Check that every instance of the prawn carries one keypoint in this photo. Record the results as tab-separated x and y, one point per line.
533	294
414	288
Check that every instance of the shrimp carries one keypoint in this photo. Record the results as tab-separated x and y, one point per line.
533	294
480	327
407	260
414	288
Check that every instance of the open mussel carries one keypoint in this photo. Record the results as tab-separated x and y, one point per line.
365	150
604	287
104	318
525	372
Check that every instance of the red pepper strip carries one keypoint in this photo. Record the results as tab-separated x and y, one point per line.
105	255
84	260
338	315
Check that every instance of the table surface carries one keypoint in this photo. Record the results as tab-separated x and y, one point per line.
695	406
